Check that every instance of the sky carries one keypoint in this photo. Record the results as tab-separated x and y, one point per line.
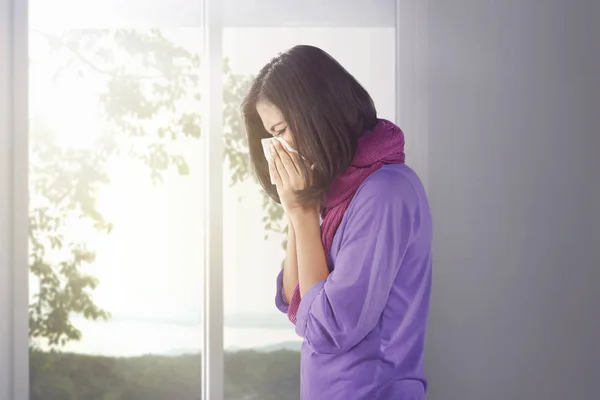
150	266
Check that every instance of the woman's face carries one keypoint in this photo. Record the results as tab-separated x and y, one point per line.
274	122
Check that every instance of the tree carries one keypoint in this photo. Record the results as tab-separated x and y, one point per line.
148	78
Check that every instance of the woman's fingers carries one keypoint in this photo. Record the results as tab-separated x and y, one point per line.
278	165
273	171
281	172
288	160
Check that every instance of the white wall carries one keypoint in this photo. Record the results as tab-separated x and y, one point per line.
514	182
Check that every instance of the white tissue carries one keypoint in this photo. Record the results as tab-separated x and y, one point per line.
286	145
266	145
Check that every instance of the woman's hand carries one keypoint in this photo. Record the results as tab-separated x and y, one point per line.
289	178
304	218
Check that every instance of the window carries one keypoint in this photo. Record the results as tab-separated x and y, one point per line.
116	204
261	347
131	230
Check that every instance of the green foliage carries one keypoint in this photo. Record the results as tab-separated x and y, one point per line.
249	375
148	81
68	179
254	375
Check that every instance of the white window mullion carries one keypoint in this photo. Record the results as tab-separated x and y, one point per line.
20	196
212	116
6	247
14	329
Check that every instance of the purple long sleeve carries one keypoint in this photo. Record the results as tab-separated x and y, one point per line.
364	327
338	313
280	301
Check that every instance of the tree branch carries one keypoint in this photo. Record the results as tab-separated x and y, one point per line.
93	66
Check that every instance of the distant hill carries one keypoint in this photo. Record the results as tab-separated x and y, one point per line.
248	375
290	346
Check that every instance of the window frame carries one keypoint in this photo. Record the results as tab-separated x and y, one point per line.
308	13
407	16
14	220
213	315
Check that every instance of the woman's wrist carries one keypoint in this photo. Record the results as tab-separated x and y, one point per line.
301	215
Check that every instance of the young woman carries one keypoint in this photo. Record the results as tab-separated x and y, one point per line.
357	275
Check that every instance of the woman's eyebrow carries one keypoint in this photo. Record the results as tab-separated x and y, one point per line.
276	125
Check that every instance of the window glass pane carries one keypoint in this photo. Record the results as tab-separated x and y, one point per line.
262	349
116	206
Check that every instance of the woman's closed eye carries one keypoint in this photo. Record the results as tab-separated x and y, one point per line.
281	132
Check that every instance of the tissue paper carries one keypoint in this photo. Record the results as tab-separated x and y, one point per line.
266	145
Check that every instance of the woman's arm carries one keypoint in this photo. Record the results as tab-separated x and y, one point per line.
339	309
311	257
290	267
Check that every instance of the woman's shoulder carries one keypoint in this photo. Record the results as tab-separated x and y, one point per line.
392	183
392	193
394	198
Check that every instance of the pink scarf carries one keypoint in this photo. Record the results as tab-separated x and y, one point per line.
383	145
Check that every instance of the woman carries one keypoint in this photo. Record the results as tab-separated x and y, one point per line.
357	275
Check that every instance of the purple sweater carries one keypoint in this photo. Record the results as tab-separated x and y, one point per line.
364	327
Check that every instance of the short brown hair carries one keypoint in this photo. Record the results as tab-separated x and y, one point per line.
326	108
